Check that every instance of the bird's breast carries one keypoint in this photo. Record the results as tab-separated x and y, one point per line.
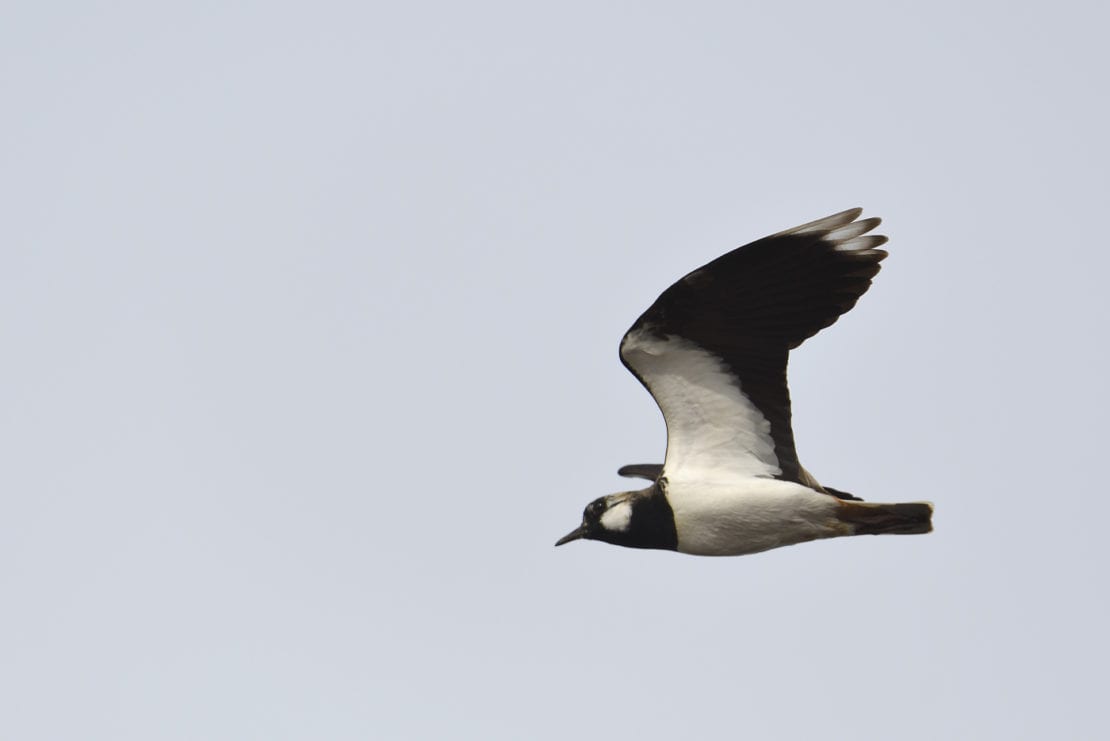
734	518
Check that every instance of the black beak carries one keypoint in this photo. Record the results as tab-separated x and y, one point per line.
575	534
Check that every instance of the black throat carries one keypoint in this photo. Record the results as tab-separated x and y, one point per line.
652	524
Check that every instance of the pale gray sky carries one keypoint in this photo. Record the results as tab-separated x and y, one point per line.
309	316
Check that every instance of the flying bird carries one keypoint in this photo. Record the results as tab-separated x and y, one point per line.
712	351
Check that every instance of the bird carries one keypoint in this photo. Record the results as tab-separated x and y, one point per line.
712	351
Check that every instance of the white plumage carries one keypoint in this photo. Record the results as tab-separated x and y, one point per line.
714	431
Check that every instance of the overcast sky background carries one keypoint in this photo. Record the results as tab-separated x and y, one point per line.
309	317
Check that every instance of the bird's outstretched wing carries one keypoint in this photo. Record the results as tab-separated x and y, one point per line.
712	349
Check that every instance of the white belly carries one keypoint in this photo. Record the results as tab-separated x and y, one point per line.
756	515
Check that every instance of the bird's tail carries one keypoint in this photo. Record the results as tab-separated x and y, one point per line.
869	518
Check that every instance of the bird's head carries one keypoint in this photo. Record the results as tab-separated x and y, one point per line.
636	519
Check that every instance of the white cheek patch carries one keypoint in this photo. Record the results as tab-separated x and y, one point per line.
617	518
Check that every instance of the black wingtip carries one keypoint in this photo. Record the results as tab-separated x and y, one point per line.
841	494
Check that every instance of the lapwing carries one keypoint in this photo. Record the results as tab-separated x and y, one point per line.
712	351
